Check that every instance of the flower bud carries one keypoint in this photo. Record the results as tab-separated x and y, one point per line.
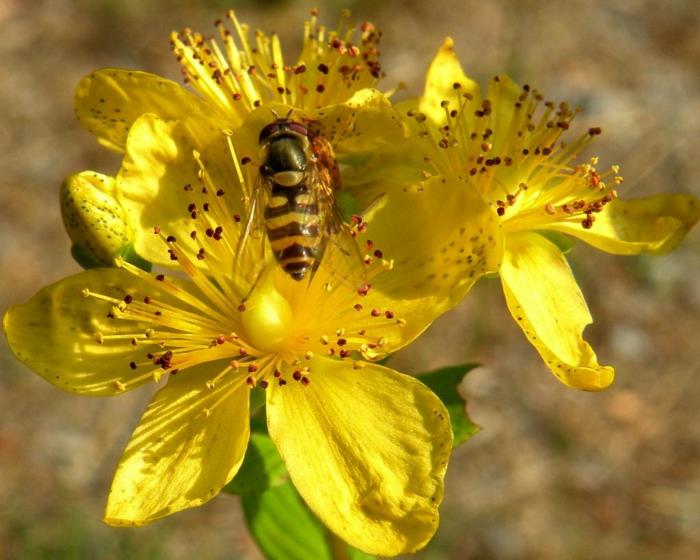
96	223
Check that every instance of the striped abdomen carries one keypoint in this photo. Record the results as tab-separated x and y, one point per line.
293	227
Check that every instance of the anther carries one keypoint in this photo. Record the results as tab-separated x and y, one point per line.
364	289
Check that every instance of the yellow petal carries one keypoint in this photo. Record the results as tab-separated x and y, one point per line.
57	333
439	234
654	224
108	101
367	449
546	302
190	442
364	122
442	238
159	176
445	81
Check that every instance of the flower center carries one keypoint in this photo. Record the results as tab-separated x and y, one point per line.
268	319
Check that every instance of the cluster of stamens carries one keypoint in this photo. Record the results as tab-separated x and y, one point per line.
240	75
528	154
185	323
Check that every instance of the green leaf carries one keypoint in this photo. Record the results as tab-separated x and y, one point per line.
262	467
444	383
283	526
285	529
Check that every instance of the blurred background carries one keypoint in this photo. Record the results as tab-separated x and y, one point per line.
555	473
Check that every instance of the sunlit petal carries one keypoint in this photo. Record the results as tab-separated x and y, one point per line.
655	224
190	442
108	101
546	302
367	449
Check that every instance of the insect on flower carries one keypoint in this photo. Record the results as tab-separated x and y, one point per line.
295	200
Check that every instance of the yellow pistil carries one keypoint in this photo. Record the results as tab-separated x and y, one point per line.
267	317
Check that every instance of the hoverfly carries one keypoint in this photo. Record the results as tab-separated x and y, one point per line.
295	201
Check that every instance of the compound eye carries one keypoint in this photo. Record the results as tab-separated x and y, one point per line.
268	131
298	128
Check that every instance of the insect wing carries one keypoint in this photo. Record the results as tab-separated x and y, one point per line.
252	241
339	255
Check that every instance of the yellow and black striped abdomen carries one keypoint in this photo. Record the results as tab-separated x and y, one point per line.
293	228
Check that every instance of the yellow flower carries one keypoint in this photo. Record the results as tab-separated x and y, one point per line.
366	446
244	80
506	146
237	75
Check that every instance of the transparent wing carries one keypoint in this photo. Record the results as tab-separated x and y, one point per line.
252	243
340	256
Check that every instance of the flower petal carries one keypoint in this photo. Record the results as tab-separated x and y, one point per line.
108	101
444	74
364	122
654	224
546	302
57	333
190	442
442	238
159	174
367	449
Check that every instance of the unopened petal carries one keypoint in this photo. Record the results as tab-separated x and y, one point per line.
190	442
546	303
367	449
